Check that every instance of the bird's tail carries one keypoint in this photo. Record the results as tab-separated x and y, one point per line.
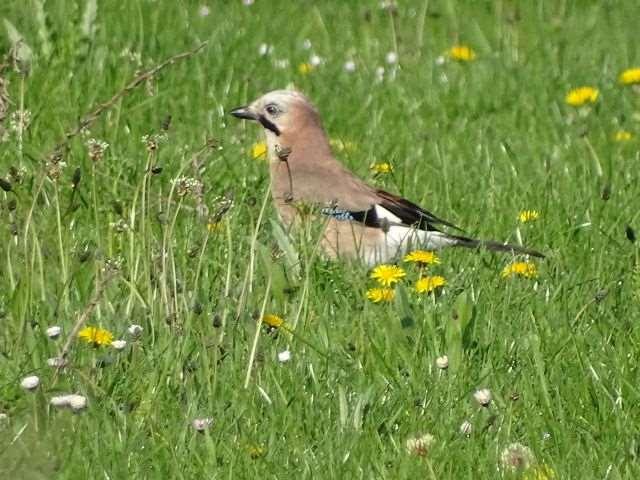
494	246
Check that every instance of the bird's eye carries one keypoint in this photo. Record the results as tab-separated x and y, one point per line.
272	109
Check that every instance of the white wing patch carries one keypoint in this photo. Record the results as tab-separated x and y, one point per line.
400	239
383	213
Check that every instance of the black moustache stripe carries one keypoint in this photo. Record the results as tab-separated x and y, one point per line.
268	125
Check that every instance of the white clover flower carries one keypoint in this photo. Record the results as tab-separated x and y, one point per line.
391	58
77	402
202	424
466	427
30	383
483	396
265	49
119	344
59	401
204	11
135	330
349	66
247	3
440	60
516	458
54	331
420	446
316	60
442	362
57	362
284	356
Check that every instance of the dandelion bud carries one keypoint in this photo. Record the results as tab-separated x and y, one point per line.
466	427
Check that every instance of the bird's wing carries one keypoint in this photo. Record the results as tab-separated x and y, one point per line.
389	210
409	213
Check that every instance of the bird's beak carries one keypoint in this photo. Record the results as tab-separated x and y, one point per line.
244	112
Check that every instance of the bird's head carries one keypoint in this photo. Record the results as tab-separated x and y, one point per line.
281	113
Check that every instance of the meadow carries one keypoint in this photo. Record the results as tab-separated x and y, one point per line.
222	347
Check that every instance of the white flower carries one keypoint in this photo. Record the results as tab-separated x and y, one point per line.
135	330
57	362
442	362
73	401
77	402
265	49
350	66
466	427
483	396
516	457
247	2
204	11
54	331
391	58
284	356
306	44
30	383
380	73
440	60
59	401
420	446
201	424
315	60
119	344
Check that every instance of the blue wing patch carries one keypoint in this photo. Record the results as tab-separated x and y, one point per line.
338	214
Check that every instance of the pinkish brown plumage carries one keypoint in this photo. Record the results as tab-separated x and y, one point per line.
358	220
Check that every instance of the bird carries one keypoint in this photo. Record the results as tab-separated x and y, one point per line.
357	220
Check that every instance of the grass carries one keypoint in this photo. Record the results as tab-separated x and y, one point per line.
474	142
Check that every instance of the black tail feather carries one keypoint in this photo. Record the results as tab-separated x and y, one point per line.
495	246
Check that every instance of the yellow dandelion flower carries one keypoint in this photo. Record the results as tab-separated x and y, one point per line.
582	95
259	151
387	275
256	451
540	472
96	336
273	320
382	167
305	68
630	76
424	257
526	216
522	269
462	53
377	295
430	283
340	145
215	226
622	136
